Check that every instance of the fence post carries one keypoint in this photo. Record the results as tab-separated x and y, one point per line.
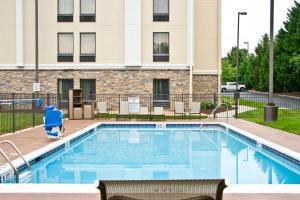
215	102
119	102
13	114
48	99
150	103
59	101
236	98
33	111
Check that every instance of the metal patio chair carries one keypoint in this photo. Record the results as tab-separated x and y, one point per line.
195	108
179	109
124	110
102	108
159	112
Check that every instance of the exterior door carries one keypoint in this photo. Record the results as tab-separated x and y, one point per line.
161	93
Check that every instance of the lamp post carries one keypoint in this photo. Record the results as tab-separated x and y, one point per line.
36	85
271	111
247	43
237	94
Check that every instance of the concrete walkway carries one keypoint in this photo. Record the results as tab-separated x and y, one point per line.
231	113
33	139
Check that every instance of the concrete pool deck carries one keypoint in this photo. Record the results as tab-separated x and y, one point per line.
32	139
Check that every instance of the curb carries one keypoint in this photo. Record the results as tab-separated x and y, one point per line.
279	95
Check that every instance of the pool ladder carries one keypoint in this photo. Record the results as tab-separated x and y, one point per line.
213	112
16	171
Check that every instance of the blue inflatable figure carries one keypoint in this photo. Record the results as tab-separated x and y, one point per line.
53	122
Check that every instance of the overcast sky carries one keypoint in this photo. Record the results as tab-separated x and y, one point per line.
252	26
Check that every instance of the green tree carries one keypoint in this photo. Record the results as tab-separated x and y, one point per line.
287	53
246	63
262	64
228	71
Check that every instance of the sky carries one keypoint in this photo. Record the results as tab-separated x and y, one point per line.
254	25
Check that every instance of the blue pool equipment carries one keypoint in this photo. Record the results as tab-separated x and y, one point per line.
39	102
53	122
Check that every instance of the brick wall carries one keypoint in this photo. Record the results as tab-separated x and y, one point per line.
205	84
107	81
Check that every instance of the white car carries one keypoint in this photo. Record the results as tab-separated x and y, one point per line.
231	86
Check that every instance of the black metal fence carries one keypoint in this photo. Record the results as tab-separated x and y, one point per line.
19	111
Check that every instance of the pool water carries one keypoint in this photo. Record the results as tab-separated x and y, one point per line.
147	153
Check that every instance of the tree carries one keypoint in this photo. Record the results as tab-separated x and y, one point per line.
262	64
287	53
228	71
245	69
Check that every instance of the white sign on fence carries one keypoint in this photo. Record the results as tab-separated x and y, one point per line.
134	104
36	87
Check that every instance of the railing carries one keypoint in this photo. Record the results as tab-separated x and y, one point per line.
213	112
16	171
17	112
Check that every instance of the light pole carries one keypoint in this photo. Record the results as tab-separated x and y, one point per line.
247	43
271	111
36	86
237	94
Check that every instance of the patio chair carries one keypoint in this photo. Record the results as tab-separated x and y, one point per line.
195	108
144	112
162	190
159	112
124	110
179	109
102	108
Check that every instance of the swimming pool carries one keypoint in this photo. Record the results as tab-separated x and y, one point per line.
165	151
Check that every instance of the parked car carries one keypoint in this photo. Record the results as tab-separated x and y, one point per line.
231	86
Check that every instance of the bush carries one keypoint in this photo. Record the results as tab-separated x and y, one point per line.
228	100
208	105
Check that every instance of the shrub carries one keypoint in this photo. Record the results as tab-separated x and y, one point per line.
228	100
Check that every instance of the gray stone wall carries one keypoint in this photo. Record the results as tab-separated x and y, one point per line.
205	84
107	81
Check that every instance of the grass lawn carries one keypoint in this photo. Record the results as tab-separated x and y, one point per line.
288	119
23	120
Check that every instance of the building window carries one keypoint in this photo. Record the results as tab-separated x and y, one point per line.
87	10
88	47
160	10
65	10
160	47
161	93
63	87
65	47
89	88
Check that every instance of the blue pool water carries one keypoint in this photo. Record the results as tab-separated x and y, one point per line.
175	152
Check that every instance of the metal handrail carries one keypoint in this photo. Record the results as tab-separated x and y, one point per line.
213	112
16	171
9	161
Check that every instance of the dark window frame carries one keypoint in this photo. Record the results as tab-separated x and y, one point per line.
161	58
91	57
161	100
58	88
64	17
90	96
88	17
66	57
161	17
